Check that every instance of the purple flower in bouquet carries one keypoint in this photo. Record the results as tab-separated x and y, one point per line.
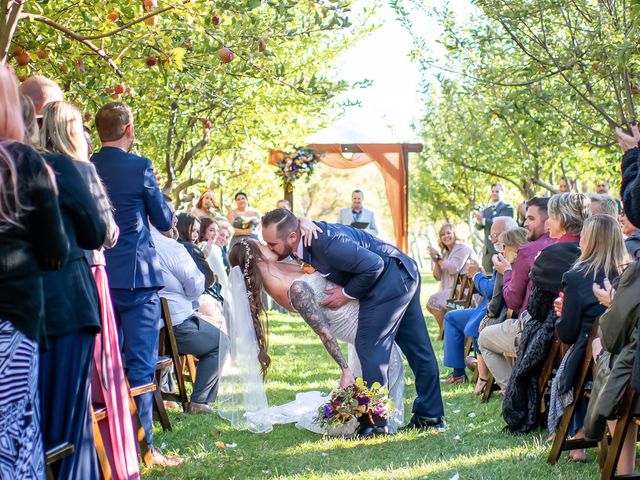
328	410
362	400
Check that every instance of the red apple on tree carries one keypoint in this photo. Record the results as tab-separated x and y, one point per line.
149	4
216	20
151	61
226	55
151	21
88	117
120	88
206	124
262	45
23	58
114	16
42	54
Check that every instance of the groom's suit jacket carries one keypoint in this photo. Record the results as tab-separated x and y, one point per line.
353	258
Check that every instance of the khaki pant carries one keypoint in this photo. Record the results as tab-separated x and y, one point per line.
496	340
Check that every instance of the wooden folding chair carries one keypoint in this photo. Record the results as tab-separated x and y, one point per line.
167	346
158	406
457	290
614	449
560	442
55	453
99	413
491	385
546	373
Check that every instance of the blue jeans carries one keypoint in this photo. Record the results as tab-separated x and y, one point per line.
457	325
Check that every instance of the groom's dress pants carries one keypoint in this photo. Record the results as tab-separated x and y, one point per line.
392	312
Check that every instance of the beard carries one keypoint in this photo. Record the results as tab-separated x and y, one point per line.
286	253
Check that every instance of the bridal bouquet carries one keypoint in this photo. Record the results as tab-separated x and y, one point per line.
354	401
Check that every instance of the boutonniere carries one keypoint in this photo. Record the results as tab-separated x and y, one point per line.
307	268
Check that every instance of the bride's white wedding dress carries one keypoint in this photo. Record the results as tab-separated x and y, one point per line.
241	397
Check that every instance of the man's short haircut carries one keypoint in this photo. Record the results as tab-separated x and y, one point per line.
606	204
285	221
357	191
498	185
112	120
540	202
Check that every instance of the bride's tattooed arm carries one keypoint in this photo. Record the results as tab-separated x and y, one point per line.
304	302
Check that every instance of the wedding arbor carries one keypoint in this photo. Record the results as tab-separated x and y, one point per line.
392	159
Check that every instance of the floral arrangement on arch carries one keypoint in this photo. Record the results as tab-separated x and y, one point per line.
293	166
354	401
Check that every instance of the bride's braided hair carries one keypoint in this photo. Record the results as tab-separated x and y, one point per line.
245	254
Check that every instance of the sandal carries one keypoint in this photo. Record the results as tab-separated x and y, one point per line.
482	383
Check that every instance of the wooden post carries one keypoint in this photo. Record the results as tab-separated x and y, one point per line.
288	196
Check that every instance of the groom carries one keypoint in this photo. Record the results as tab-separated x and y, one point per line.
387	284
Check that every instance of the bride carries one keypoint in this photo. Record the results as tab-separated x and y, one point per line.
299	289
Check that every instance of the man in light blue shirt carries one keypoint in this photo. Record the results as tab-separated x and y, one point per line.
357	216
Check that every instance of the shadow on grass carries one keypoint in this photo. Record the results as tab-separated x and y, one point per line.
474	446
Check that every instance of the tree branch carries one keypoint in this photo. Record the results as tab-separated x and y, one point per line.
71	34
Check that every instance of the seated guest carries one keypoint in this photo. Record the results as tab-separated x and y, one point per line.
603	204
603	255
183	285
188	228
485	217
225	232
507	246
72	306
630	185
459	324
495	340
205	205
208	238
567	213
632	235
32	239
447	264
614	363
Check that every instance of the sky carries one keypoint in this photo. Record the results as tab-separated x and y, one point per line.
392	104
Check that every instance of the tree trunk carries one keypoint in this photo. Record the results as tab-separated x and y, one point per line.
9	12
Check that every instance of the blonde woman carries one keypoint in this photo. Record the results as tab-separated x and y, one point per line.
447	263
80	306
603	255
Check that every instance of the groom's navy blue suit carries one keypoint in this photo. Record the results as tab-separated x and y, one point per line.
387	284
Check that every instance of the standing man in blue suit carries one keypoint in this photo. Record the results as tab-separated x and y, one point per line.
133	267
387	284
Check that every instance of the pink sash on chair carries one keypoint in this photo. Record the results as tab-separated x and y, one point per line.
109	388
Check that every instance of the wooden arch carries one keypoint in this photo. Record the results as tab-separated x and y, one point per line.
392	159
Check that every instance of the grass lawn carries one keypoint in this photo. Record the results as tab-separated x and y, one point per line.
474	447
